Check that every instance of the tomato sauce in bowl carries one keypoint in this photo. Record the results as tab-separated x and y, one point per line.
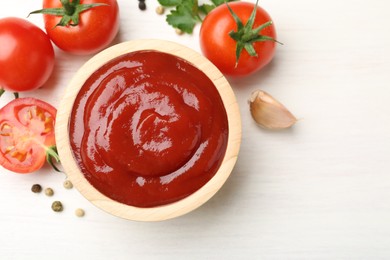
148	130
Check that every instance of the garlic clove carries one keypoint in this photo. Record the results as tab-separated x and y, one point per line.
268	112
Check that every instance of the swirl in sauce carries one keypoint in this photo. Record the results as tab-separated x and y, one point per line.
148	129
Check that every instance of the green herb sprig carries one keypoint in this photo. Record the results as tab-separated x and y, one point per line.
185	14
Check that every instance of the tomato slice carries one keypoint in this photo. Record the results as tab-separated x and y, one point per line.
26	134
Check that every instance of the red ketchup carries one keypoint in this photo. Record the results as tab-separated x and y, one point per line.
148	128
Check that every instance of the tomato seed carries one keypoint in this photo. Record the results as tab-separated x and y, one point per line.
29	115
9	148
6	130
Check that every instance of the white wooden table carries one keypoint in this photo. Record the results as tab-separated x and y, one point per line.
320	190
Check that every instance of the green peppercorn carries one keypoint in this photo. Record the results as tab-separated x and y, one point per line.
57	206
49	192
68	184
36	188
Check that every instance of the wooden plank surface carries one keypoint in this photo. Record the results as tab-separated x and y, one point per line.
320	190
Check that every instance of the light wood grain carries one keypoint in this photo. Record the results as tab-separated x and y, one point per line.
166	211
318	191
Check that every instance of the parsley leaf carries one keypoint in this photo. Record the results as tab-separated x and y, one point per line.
219	2
185	14
183	18
206	8
169	3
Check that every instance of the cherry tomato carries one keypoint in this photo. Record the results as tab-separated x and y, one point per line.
26	134
220	48
97	27
26	55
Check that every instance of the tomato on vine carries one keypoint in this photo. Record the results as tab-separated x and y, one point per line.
26	55
81	26
238	37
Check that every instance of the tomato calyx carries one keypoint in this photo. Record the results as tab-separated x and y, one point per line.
246	35
52	157
70	11
16	94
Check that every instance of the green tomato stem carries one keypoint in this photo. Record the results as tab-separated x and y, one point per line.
69	8
52	157
2	91
246	35
69	12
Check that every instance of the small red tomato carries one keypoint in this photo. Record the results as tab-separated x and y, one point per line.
26	55
236	43
81	26
26	134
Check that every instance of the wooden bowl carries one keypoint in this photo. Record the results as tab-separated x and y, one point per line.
168	211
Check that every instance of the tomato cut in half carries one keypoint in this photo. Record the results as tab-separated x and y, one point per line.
26	134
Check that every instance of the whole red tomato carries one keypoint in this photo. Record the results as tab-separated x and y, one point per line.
86	32
26	55
27	134
219	46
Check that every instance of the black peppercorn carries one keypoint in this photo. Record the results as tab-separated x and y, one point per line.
141	5
36	188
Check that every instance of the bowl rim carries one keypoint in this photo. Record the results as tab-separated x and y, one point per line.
167	211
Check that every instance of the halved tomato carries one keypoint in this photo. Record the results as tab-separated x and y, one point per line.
27	135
